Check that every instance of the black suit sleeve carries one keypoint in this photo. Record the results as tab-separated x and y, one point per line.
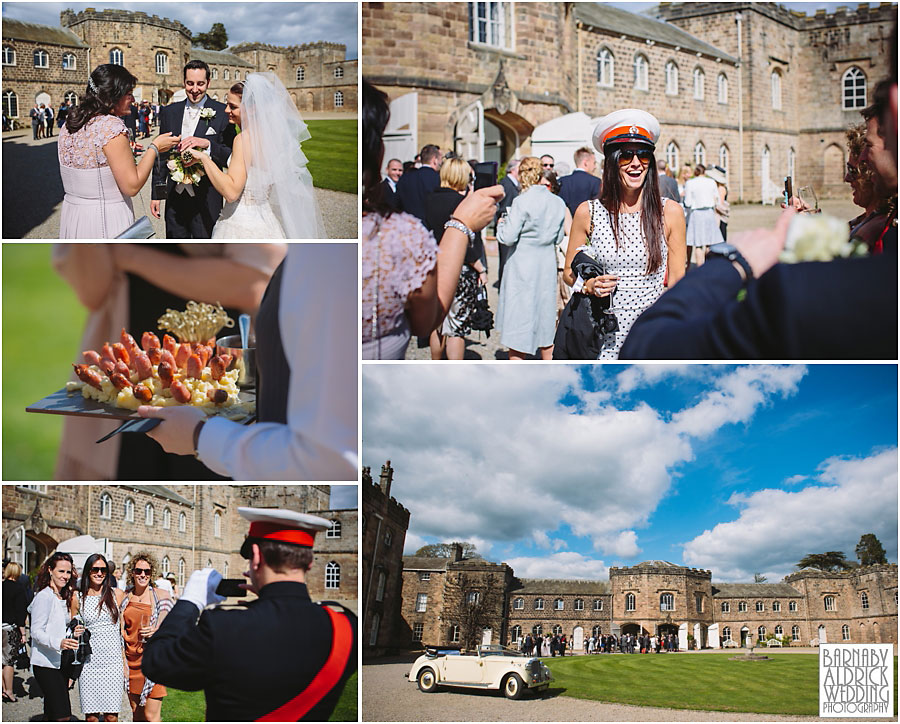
180	653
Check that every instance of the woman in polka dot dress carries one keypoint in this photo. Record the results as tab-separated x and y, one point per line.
637	237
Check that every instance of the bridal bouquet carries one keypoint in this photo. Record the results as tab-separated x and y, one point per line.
182	174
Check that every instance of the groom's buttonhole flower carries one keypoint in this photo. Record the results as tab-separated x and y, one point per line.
207	113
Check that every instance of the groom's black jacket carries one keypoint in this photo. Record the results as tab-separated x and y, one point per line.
192	216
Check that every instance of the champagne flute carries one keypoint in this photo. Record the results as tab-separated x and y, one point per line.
77	621
145	621
808	197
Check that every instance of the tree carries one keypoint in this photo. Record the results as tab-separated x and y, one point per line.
759	578
477	605
870	551
215	39
447	550
833	561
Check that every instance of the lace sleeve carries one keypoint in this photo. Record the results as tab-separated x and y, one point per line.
106	128
414	251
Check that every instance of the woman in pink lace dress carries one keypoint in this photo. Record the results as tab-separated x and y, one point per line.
96	162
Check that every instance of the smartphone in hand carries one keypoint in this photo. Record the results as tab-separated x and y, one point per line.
485	174
229	587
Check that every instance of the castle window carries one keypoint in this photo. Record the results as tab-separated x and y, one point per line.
605	68
641	73
775	81
845	632
338	99
162	64
726	633
760	607
742	606
454	634
301	73
473	597
418	628
71	98
776	606
373	632
629	602
864	600
215	73
698	602
779	630
761	633
115	57
105	499
699	83
792	606
335	530
237	75
516	634
421	602
9	55
557	630
579	604
35	488
490	23
338	71
332	575
699	154
829	603
539	604
671	78
723	158
379	589
226	74
167	519
225	570
672	155
181	572
598	604
129	510
722	84
596	632
726	607
538	630
182	522
41	59
795	633
519	604
388	538
853	89
217	524
166	566
148	514
68	61
667	602
558	604
425	576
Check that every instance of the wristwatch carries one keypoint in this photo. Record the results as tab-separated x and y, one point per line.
727	251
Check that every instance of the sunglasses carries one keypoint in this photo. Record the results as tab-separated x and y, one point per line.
142	571
626	154
98	569
547	165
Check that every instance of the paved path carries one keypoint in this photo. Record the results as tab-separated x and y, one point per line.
743	218
388	696
33	194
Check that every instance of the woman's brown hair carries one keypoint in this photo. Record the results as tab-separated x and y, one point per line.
43	577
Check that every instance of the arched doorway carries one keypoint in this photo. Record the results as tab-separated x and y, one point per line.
42	98
823	635
310	102
766	165
833	169
635	629
578	639
164	95
745	636
699	633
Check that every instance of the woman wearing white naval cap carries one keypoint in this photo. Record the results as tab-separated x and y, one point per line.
278	658
631	231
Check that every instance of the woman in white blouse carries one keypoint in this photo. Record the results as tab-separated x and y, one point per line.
50	611
701	196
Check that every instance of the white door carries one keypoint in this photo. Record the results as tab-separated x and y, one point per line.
401	134
578	639
713	635
823	636
682	637
468	137
765	192
698	636
486	636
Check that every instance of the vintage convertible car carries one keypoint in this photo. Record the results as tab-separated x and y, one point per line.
490	667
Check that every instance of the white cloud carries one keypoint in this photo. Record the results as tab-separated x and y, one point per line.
565	565
776	528
794	479
647	375
503	454
412	543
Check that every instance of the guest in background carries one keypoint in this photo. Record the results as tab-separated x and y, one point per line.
701	194
394	172
668	186
48	120
413	187
581	184
14	614
510	184
717	174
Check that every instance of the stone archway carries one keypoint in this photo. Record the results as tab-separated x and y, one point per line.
310	102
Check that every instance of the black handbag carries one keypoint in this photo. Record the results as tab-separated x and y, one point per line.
586	319
482	318
71	665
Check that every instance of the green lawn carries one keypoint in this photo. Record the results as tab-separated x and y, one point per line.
332	153
191	705
785	684
42	326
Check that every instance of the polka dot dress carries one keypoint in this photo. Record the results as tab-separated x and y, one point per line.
635	290
101	682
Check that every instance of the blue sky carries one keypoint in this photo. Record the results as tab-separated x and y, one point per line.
343	497
279	23
563	471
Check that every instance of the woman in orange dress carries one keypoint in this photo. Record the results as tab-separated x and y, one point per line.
143	610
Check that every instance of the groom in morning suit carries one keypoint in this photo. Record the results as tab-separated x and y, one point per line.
192	216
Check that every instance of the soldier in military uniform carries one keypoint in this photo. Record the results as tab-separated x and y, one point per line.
278	658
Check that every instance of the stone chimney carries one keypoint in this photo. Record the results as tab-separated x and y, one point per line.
387	475
457	552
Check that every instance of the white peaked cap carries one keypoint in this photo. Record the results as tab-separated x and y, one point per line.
284	526
629	125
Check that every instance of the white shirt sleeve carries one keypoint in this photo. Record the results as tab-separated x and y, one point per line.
318	319
43	624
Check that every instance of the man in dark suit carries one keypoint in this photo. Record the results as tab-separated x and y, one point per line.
414	186
37	121
192	216
389	184
280	656
510	184
580	185
668	187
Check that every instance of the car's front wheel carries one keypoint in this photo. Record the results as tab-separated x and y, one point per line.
513	686
427	681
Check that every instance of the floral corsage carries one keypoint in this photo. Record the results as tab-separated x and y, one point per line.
819	237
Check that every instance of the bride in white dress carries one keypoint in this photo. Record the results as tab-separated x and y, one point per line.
267	188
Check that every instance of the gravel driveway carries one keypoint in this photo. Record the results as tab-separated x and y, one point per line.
388	696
